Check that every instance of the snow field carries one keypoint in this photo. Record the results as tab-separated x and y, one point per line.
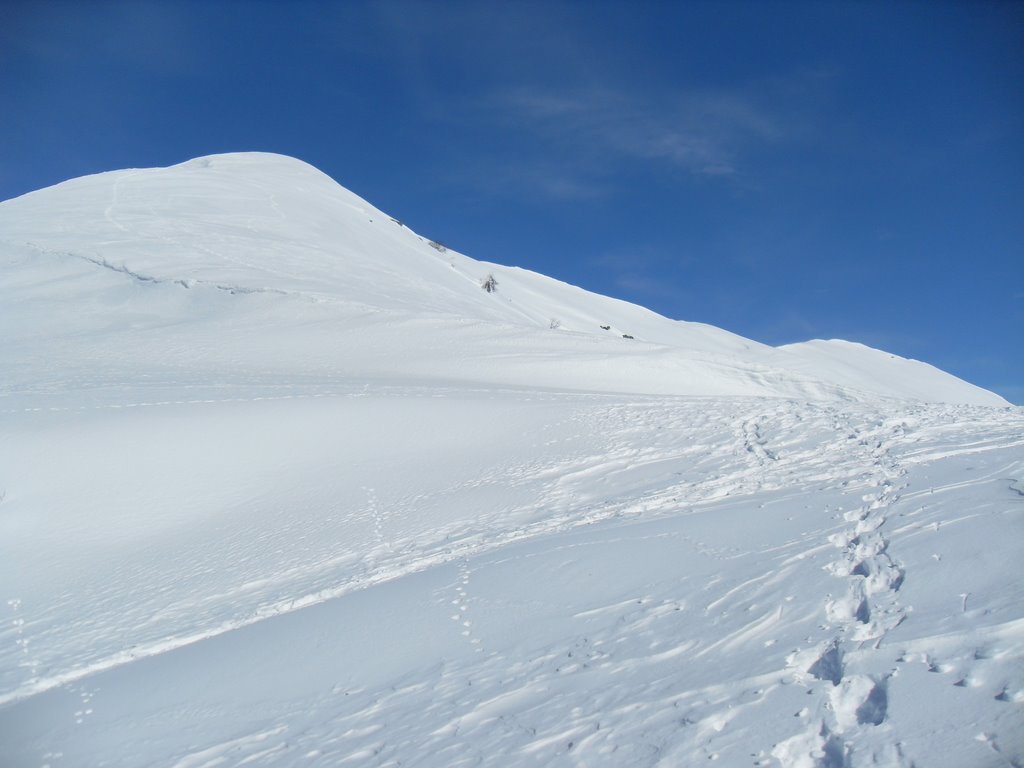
281	485
573	578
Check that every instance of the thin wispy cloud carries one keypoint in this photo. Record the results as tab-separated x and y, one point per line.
575	143
704	134
568	102
534	179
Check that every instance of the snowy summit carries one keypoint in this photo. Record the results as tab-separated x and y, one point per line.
283	482
388	301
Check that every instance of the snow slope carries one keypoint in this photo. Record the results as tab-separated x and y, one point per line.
290	489
273	226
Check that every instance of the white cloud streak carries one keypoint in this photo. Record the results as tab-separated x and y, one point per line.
703	134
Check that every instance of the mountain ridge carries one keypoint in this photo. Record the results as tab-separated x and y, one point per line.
264	223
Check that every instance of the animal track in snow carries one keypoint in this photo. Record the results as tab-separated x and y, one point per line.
85	698
378	519
28	660
460	604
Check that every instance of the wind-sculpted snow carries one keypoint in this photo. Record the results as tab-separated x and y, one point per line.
451	576
280	485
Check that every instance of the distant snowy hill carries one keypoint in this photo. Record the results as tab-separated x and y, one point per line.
282	485
365	288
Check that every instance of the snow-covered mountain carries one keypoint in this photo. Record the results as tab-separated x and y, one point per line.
282	485
368	290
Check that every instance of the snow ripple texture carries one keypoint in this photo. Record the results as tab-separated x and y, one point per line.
641	581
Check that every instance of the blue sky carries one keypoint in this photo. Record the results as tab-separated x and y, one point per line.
783	170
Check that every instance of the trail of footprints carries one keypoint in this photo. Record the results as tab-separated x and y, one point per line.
866	608
755	443
870	606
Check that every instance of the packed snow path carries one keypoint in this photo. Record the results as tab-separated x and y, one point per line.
297	574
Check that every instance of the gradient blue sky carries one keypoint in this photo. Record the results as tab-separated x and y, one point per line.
783	170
